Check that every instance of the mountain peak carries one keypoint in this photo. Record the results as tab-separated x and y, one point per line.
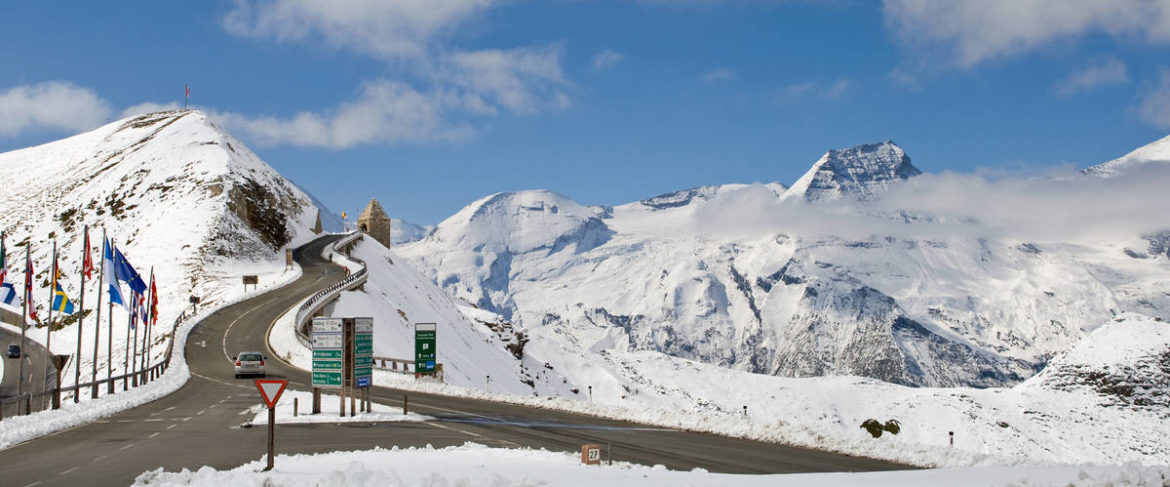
858	172
1156	151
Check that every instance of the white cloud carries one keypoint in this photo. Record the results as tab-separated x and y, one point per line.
718	75
383	111
54	105
969	32
387	29
1154	105
149	107
440	88
606	59
1108	71
832	91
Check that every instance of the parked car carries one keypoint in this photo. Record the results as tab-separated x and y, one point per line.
249	363
13	350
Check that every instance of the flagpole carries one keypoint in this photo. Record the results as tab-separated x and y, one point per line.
126	352
109	336
149	319
97	328
24	322
133	345
80	319
49	319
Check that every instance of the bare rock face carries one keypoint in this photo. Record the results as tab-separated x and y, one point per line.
374	222
859	173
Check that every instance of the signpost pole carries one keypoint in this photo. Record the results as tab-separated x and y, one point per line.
271	438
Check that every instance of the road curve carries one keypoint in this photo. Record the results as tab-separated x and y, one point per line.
36	374
200	424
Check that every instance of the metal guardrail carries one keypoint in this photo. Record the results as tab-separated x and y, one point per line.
323	297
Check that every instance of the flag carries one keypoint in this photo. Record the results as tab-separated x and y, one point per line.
8	295
3	263
140	306
133	309
109	278
86	261
126	272
61	302
28	283
153	300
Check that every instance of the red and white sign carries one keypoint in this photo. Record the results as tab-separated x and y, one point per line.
271	390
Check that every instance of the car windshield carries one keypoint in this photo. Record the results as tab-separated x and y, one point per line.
250	357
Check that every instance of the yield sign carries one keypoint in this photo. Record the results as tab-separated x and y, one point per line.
271	390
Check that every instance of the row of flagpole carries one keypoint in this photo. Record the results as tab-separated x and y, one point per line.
142	305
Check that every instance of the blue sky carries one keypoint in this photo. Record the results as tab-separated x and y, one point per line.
443	102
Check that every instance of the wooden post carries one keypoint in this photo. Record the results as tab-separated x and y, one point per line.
405	401
316	400
295	407
352	402
341	394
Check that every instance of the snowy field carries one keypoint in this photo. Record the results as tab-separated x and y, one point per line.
287	413
473	465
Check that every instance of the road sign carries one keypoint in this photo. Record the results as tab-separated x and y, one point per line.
363	351
424	348
591	454
270	390
328	345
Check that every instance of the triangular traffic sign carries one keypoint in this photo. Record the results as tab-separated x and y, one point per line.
271	390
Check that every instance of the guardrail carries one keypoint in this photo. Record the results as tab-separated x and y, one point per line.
323	297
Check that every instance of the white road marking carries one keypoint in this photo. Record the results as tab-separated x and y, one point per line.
437	425
172	426
125	421
127	446
229	329
153	420
200	413
163	411
152	435
98	459
62	474
34	483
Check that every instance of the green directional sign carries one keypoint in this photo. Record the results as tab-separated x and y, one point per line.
363	351
327	341
424	348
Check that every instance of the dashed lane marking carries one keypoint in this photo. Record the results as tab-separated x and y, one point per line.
152	435
98	459
443	426
172	426
163	411
127	446
62	474
33	484
153	420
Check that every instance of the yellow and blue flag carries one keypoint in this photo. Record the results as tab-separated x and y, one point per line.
61	302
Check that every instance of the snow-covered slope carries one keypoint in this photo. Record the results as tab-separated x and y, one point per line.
472	344
172	189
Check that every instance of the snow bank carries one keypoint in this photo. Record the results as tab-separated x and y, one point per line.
477	465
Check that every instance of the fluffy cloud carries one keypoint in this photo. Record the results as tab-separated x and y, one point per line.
388	29
1154	105
606	59
718	75
54	105
440	90
149	107
969	32
1109	71
383	111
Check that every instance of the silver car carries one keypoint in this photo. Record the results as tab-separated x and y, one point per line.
250	363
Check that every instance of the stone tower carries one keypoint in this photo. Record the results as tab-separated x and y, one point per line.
317	225
374	222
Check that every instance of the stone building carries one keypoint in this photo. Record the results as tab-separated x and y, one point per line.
374	222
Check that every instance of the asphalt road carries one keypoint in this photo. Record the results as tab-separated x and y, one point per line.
200	424
36	376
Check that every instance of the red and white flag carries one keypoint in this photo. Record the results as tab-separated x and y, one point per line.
28	294
86	260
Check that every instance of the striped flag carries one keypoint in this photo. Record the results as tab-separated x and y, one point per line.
28	287
3	263
61	302
153	300
109	277
86	260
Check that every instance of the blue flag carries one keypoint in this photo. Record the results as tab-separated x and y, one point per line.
109	276
8	295
127	274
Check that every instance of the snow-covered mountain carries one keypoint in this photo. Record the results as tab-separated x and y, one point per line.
1154	152
174	192
402	231
861	172
700	275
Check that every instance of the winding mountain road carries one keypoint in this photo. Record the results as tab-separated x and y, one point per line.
200	424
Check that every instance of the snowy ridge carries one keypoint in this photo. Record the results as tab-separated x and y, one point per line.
1154	152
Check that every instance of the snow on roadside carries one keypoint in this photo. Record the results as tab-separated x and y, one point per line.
330	408
477	465
229	291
